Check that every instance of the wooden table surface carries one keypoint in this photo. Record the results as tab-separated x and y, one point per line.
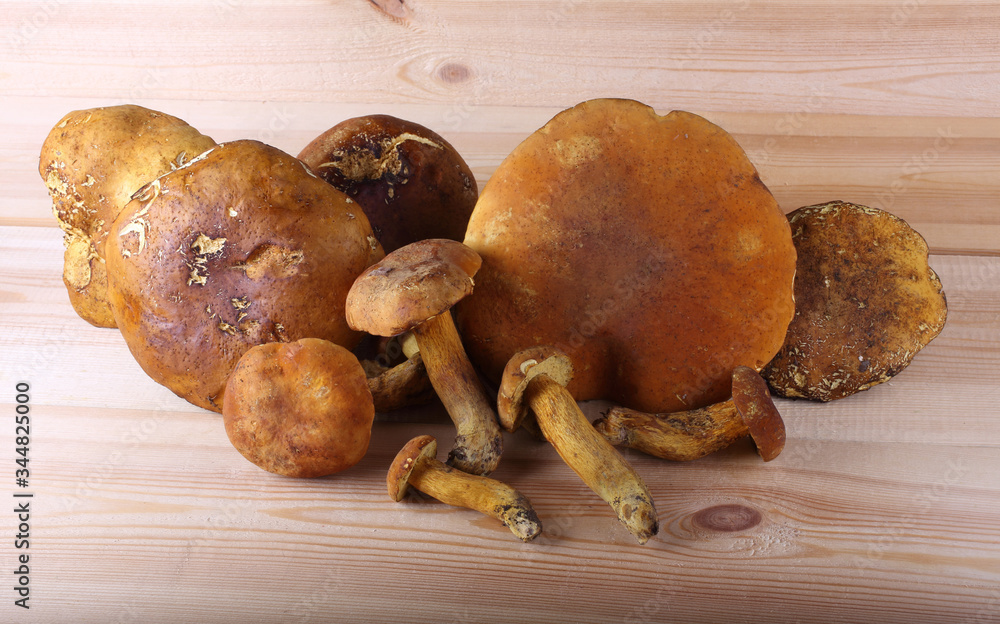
884	507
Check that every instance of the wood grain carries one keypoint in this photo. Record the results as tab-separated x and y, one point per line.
883	505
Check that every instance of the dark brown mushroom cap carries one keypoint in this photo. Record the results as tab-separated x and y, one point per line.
408	457
644	246
866	302
411	183
520	370
299	409
758	412
410	285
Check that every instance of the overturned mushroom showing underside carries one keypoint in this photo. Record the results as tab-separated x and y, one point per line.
535	381
866	302
239	247
644	246
92	162
417	466
692	434
412	290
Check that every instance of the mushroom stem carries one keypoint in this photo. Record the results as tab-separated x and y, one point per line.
403	385
478	443
487	496
591	456
680	436
683	436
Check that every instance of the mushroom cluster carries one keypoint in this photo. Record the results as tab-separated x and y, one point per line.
615	254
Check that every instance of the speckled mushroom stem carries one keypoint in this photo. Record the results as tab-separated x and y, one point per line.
591	456
683	436
680	436
478	443
487	496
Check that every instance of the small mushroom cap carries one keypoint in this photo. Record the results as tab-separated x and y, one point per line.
866	302
520	370
300	409
412	453
411	285
757	410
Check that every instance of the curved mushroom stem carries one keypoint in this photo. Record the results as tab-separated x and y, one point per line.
487	496
403	385
479	444
591	456
680	436
683	436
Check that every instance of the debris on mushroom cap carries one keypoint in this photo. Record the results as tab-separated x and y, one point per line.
411	183
866	302
757	410
410	285
521	368
299	409
92	161
238	247
646	247
406	459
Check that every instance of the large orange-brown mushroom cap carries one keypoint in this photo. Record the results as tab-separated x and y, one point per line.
645	247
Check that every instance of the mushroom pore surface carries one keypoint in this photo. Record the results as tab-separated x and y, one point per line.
645	247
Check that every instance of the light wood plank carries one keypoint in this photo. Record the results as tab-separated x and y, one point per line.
938	58
883	506
936	173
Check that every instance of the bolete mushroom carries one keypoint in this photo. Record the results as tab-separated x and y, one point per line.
688	435
411	183
403	385
299	409
416	465
866	302
413	289
645	247
92	162
536	380
239	247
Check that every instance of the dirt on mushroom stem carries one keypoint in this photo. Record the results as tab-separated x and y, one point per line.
478	443
692	434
